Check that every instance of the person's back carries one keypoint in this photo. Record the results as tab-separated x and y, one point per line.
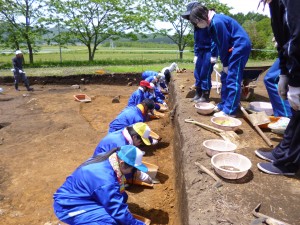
232	37
110	141
74	200
128	116
148	73
137	97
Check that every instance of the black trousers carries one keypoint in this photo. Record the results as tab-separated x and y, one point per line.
287	152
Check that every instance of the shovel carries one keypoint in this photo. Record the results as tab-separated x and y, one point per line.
226	135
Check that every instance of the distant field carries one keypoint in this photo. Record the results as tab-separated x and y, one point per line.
155	55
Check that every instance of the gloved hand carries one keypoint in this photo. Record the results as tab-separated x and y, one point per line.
21	71
283	86
195	59
154	141
165	104
225	69
144	177
294	97
213	59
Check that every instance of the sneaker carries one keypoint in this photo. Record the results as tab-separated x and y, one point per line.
265	155
280	125
221	114
269	168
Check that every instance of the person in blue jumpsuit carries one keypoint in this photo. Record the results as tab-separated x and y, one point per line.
136	135
234	48
148	73
94	192
157	81
281	108
140	94
206	54
284	159
131	115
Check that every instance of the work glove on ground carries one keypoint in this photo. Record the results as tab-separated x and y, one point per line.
195	59
213	59
144	177
293	96
225	69
283	86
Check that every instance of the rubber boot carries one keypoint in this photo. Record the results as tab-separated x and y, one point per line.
17	87
197	95
204	96
27	86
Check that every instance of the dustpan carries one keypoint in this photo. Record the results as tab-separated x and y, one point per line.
82	98
259	118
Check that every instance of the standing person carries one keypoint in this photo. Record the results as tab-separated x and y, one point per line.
95	193
281	108
205	57
140	94
284	159
132	114
234	48
19	74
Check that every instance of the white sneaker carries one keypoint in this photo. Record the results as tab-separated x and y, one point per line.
216	109
280	125
221	114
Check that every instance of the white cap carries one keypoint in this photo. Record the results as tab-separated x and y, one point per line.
18	52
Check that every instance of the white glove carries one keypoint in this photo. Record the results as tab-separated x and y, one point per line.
154	141
225	69
165	104
21	71
283	86
294	97
213	59
143	177
195	59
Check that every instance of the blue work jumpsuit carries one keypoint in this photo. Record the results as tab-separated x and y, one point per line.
204	49
91	196
234	48
128	116
280	107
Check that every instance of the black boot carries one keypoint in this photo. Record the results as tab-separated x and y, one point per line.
17	87
197	95
204	96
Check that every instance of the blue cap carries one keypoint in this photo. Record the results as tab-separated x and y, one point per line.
132	156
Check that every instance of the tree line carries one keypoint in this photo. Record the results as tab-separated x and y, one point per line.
26	23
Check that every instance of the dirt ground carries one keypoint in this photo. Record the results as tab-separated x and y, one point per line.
234	201
45	135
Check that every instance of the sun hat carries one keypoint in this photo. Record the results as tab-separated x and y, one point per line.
18	52
132	156
189	8
144	83
144	131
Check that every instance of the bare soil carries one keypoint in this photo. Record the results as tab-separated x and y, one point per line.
45	135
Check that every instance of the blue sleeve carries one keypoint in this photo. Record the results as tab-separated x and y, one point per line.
221	37
112	200
214	49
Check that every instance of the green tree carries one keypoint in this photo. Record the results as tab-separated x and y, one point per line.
91	22
179	30
22	20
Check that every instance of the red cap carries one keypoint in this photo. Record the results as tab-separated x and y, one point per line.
144	83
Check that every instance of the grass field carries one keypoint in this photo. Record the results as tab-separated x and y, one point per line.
111	60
